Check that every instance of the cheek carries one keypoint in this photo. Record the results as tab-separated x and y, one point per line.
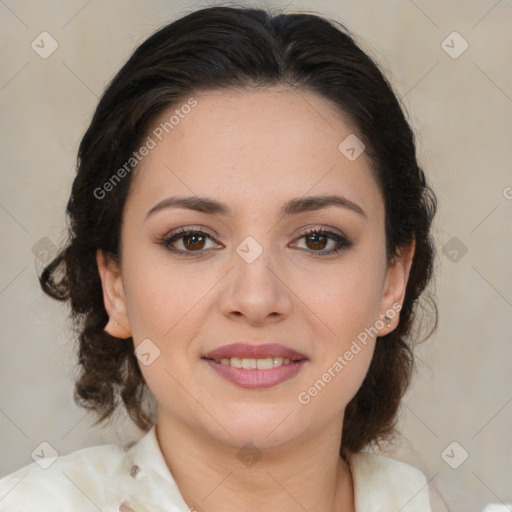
332	387
350	305
150	312
347	299
159	294
160	305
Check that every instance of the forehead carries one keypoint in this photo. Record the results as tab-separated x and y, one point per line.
253	147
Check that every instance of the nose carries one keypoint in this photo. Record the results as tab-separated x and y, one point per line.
256	292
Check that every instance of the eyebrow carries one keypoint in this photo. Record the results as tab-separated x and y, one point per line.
291	207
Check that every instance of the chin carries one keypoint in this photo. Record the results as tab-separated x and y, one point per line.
264	425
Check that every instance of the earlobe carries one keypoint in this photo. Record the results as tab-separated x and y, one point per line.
396	281
113	296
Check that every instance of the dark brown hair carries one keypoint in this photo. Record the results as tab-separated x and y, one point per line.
231	47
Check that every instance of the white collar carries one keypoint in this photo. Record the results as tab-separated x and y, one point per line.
381	484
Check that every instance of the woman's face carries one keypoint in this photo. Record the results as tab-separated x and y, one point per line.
253	276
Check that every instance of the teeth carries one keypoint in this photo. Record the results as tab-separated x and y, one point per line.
253	364
249	364
236	362
265	364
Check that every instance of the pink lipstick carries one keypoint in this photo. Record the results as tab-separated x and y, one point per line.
255	366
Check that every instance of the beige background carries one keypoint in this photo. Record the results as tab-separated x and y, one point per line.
461	109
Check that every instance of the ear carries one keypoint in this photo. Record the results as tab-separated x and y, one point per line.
395	284
113	296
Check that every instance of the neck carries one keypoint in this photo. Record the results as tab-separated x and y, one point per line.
213	477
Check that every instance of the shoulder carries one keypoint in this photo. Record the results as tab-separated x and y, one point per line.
383	483
69	482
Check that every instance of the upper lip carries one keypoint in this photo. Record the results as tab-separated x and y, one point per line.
251	351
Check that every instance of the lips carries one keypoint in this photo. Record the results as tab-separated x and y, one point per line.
255	366
247	351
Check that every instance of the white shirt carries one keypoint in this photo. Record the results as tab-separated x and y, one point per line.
112	478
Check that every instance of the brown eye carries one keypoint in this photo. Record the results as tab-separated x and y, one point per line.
187	242
194	241
316	242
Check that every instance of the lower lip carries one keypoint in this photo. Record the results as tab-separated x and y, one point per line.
255	379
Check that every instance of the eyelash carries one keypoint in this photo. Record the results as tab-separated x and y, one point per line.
343	243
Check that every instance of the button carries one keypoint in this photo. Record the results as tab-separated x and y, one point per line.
134	471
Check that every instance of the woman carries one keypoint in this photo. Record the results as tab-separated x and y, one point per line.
249	237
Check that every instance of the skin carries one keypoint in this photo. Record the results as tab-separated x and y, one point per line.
254	150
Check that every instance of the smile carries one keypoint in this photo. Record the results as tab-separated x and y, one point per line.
253	364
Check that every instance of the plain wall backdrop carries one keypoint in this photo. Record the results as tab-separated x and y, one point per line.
450	62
